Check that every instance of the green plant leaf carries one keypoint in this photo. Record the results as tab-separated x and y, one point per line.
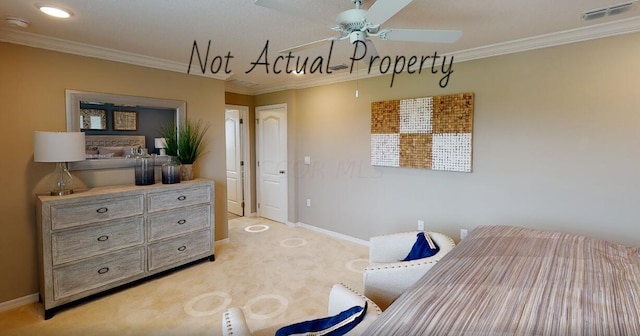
187	142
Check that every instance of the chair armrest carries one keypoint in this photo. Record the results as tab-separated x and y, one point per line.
234	323
396	246
385	282
342	298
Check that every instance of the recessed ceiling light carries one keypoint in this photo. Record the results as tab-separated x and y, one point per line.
54	11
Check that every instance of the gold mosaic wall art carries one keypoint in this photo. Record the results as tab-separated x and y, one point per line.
430	133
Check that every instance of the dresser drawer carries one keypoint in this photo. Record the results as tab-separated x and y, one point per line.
99	271
179	221
179	249
68	215
178	198
97	239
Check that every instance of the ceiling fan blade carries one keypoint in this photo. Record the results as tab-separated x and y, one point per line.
285	8
421	35
372	52
383	10
308	45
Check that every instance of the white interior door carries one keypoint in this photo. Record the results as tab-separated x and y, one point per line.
271	138
235	164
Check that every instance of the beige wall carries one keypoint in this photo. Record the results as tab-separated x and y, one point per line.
556	138
556	146
32	97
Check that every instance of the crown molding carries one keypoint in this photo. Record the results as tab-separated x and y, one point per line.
592	32
625	26
81	49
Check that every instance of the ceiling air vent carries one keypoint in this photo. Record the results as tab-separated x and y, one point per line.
621	8
594	14
612	10
338	67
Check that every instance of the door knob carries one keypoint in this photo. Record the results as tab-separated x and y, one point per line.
282	172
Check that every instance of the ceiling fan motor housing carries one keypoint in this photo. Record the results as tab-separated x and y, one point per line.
351	20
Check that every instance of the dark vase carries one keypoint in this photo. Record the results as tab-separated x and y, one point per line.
171	171
144	168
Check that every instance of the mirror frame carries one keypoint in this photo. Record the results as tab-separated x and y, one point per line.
73	99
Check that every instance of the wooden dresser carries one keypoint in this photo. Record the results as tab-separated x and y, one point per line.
101	238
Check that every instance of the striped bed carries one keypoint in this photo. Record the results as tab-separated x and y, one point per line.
504	280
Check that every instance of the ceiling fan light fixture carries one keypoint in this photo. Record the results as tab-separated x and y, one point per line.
54	11
357	36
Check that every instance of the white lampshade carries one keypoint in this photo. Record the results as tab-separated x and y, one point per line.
58	146
160	142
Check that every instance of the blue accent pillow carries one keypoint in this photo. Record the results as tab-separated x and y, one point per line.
421	248
331	326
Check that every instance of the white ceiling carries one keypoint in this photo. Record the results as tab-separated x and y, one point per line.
161	33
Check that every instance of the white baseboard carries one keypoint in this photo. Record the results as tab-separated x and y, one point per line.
19	302
222	241
332	233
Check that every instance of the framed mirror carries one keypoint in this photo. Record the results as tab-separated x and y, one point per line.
76	121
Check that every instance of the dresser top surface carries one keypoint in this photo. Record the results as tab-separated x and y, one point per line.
123	189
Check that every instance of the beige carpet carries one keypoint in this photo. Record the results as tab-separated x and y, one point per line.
277	274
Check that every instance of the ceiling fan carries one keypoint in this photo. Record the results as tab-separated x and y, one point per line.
360	24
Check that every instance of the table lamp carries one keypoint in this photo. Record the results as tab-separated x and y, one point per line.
59	147
161	144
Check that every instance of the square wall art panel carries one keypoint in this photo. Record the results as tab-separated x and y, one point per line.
430	133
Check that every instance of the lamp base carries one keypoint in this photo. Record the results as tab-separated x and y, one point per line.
61	192
62	183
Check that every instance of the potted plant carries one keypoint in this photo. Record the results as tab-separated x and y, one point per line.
186	142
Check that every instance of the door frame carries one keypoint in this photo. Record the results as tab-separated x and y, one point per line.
285	205
245	138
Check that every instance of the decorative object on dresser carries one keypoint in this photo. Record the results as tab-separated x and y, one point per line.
186	142
107	237
144	169
59	147
171	170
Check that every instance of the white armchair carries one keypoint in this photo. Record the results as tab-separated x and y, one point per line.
387	276
341	298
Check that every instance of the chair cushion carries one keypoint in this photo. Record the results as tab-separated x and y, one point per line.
421	248
333	325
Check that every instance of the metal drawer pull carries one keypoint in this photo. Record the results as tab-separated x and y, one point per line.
182	198
182	221
182	248
103	270
103	238
102	210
